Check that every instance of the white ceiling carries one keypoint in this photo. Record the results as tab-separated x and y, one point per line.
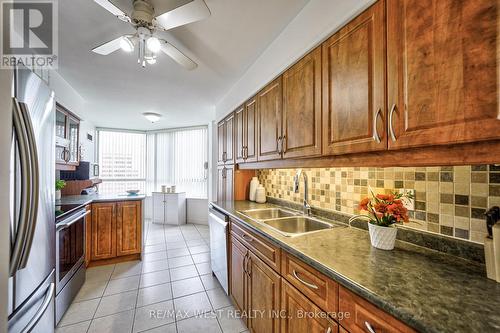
117	90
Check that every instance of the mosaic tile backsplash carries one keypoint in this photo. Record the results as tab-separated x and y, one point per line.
449	200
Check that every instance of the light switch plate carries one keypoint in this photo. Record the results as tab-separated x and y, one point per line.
408	203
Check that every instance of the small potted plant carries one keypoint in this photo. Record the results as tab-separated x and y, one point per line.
384	211
60	184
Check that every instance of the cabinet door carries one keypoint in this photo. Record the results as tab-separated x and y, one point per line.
159	207
229	123
269	101
263	296
103	231
251	130
443	75
239	134
221	183
354	85
302	107
229	183
128	227
221	142
294	304
238	274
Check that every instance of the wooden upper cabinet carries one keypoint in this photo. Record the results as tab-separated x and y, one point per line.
354	109
225	140
221	183
269	104
229	136
302	107
229	182
128	227
442	71
251	130
221	142
103	231
239	134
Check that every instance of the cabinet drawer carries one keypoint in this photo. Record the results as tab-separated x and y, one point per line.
263	249
319	288
364	315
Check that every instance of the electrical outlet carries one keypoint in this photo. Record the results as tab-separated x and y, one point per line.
408	203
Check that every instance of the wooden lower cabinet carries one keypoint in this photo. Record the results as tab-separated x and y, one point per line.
115	231
128	227
103	231
302	315
263	296
238	274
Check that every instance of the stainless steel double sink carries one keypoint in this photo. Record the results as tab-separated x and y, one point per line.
286	222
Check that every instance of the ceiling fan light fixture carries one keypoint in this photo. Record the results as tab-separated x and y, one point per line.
153	44
152	117
126	44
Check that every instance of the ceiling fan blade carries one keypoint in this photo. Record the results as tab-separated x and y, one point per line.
178	56
108	47
191	12
110	7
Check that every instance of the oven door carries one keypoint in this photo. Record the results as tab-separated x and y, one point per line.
70	247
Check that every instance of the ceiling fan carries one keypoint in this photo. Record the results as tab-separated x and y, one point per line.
147	21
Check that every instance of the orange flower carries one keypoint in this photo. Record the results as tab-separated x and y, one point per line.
363	205
385	197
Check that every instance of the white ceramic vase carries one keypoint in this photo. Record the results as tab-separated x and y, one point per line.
58	194
253	188
260	194
382	237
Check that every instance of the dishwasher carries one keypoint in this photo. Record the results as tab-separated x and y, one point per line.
219	236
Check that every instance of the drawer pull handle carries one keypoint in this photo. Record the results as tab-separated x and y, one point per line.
247	238
310	285
369	327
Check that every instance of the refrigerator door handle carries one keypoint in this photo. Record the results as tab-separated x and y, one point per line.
19	241
49	296
34	173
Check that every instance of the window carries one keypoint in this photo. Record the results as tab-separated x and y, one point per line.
122	161
180	158
146	161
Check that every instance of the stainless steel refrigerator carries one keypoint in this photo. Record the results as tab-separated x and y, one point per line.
32	222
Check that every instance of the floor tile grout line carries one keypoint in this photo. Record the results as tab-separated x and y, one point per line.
100	299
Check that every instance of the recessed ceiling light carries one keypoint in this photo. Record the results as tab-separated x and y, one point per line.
151	116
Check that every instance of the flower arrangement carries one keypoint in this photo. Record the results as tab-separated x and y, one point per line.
385	209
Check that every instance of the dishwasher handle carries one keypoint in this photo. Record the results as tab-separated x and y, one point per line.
217	214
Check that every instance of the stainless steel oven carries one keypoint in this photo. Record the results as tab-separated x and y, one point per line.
70	254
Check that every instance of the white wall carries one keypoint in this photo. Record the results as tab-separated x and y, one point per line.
5	136
316	21
68	97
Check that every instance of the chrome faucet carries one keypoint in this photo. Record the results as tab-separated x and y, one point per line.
296	182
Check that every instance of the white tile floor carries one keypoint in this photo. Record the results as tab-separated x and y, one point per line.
171	290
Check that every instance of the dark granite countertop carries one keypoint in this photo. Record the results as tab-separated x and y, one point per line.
428	290
86	199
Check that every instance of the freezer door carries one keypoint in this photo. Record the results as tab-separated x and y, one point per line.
37	259
36	314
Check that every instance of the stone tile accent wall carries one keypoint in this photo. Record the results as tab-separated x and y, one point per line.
449	200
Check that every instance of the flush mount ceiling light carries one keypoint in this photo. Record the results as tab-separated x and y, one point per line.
148	21
152	117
